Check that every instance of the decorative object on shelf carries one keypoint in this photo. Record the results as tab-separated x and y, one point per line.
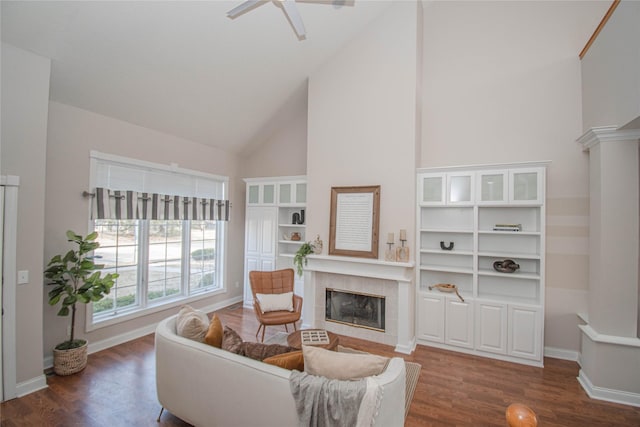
298	218
402	253
75	279
447	287
295	236
300	258
285	236
446	247
506	266
507	227
390	254
317	245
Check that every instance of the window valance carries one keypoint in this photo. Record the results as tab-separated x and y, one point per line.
120	204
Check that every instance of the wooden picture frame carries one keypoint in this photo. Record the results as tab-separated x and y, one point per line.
354	221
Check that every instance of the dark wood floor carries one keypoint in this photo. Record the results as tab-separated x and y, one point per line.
118	389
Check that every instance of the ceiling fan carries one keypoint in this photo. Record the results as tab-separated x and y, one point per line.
288	7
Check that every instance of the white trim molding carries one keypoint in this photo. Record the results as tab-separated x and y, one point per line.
596	135
607	394
32	385
561	353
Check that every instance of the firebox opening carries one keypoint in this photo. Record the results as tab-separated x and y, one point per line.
355	309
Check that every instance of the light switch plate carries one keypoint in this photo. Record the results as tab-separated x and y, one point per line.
23	277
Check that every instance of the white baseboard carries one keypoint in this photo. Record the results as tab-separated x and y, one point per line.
140	332
561	353
610	395
406	349
34	384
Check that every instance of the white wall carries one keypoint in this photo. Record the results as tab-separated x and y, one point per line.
362	123
25	95
611	71
281	148
72	134
502	84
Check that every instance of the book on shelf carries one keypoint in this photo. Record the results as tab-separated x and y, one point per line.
507	227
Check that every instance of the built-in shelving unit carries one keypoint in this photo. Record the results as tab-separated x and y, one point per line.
271	205
458	210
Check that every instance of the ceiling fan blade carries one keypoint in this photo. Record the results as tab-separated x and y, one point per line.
291	11
244	7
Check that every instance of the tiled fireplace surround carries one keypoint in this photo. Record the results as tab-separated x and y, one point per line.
393	280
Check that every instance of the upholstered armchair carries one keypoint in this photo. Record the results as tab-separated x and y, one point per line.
273	284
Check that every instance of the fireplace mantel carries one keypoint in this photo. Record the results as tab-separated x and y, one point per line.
398	275
361	267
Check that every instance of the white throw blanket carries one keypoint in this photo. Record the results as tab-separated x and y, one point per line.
322	402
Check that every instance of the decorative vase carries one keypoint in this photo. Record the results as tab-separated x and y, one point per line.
317	245
67	362
295	218
295	236
301	220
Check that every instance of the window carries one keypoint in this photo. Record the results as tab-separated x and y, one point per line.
160	261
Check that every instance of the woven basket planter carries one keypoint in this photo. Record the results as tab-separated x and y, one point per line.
67	362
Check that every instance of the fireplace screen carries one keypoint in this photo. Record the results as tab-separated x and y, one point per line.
361	310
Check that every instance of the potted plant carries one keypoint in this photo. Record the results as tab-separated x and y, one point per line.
75	278
300	257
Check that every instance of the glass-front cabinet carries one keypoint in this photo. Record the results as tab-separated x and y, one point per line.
292	193
513	186
261	193
446	189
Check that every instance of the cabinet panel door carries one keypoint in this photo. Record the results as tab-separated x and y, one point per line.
526	186
492	187
301	193
431	318
458	323
491	327
460	188
525	332
284	193
432	189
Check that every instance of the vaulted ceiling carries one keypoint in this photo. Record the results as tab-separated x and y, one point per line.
181	67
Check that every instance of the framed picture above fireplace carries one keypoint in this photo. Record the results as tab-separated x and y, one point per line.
354	221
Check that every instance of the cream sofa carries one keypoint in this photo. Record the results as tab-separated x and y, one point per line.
208	386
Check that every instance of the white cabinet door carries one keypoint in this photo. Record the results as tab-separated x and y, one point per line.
526	186
261	194
431	318
460	188
260	243
432	189
491	327
525	332
458	323
492	187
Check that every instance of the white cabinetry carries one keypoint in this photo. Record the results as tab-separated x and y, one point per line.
274	219
457	243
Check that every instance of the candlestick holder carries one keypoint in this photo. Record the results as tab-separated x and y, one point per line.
390	254
402	253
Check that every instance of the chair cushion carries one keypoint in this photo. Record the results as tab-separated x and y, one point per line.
341	366
291	360
275	302
192	323
215	332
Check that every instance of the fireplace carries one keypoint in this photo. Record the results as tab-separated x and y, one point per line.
355	309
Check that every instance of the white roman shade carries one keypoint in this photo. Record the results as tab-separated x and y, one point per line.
128	189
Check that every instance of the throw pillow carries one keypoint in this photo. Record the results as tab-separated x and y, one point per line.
341	366
292	360
231	341
214	333
275	302
192	323
260	351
